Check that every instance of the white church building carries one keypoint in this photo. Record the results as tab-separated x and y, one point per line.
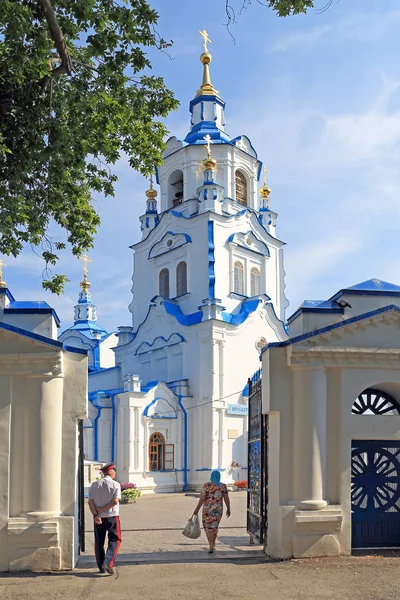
207	295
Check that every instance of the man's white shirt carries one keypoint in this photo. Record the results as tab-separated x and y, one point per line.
102	492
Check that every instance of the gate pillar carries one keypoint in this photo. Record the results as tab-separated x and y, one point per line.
309	437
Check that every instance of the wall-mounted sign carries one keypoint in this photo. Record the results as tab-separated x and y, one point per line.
237	409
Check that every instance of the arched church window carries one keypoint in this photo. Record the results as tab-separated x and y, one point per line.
161	455
164	283
375	402
241	188
181	279
254	282
238	282
156	452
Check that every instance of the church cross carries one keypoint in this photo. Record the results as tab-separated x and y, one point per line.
208	141
2	264
206	39
85	260
264	169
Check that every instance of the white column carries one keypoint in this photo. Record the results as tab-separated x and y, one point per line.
309	437
49	442
222	435
131	439
214	438
138	439
221	346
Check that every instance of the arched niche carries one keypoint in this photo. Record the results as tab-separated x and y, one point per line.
175	188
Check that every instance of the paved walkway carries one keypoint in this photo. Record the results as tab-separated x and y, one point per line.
152	532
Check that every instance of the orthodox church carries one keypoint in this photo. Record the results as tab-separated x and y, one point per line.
207	296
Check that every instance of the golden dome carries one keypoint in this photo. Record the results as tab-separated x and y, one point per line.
85	284
265	191
151	193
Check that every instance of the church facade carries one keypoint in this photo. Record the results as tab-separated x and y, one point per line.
207	295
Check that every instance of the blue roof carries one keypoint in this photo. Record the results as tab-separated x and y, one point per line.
87	328
311	334
314	306
41	338
31	308
375	285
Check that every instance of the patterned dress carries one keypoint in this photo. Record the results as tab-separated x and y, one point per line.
213	506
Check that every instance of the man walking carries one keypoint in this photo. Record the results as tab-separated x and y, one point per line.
104	497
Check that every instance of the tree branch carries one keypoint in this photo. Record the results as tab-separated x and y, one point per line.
58	38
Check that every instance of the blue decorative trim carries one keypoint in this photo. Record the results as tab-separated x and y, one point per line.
207	469
198	131
202	98
160	337
315	310
176	311
41	338
311	334
96	358
247	307
94	398
211	261
6	292
76	350
169	233
147	408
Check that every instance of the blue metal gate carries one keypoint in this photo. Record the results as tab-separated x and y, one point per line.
375	493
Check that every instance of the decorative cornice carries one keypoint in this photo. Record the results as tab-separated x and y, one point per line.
40	364
335	356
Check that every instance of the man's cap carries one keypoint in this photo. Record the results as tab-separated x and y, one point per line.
108	467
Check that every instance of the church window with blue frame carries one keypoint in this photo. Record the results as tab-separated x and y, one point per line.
181	279
254	282
241	188
238	279
164	283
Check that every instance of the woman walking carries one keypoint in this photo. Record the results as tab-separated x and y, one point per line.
212	497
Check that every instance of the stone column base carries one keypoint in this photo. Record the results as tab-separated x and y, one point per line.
315	532
40	546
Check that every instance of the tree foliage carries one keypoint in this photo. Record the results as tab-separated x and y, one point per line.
75	94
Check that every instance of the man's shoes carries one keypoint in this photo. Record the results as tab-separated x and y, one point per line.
102	570
108	569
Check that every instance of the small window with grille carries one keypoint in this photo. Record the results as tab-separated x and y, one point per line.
164	283
241	188
181	279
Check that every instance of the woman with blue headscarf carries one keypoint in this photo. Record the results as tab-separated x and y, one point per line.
212	497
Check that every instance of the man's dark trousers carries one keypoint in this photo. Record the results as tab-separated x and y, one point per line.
110	525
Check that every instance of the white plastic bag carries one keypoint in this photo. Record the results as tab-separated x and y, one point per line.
192	529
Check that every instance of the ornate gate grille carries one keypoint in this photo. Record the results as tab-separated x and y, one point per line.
375	493
257	498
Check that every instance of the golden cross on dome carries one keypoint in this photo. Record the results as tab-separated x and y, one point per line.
151	181
208	141
264	169
85	260
2	264
206	39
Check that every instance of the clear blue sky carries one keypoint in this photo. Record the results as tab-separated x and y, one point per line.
319	97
